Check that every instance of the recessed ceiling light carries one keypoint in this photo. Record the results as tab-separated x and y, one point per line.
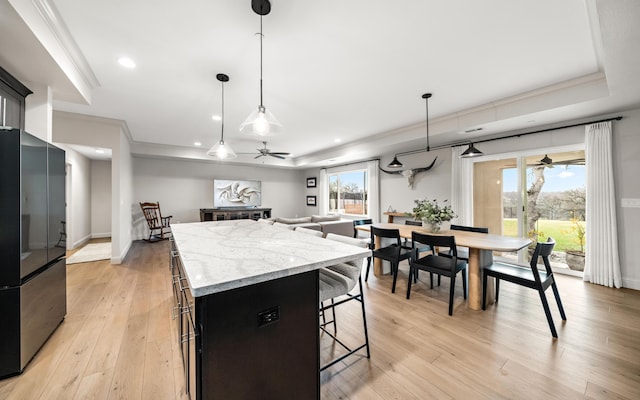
197	144
216	118
99	151
126	62
337	140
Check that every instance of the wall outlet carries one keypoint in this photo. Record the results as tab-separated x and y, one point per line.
630	203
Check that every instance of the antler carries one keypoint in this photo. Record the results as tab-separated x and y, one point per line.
411	173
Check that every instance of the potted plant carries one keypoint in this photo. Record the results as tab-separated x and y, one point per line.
574	257
432	214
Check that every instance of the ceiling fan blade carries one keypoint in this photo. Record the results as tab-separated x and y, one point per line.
276	156
258	156
279	153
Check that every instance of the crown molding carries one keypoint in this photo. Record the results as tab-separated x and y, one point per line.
60	32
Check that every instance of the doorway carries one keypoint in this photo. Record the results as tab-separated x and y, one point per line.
537	195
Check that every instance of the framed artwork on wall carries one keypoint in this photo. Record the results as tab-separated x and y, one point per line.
236	193
311	200
311	182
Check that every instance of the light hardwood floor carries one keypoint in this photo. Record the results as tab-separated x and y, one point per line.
119	342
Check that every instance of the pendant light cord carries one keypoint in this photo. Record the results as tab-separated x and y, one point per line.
261	35
427	105
222	121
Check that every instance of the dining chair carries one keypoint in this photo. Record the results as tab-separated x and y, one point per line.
408	244
437	263
159	226
336	283
530	277
361	235
463	252
308	231
393	252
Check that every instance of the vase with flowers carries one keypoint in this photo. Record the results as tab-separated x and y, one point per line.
432	214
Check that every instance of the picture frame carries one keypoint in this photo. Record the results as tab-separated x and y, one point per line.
311	201
311	182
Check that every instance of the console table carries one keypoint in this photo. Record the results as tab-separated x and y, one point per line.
247	297
225	214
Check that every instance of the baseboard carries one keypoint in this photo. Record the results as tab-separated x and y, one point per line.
100	235
80	242
123	254
631	283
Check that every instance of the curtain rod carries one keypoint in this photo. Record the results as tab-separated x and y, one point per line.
618	118
466	142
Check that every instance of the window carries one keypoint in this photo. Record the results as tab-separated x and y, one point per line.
349	193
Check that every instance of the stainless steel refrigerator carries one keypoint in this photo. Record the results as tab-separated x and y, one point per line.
33	298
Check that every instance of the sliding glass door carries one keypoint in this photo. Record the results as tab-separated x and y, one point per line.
537	195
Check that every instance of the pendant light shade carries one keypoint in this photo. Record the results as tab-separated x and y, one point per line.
395	163
471	151
261	121
221	150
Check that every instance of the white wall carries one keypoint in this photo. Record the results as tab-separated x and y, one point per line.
121	199
100	199
184	187
79	205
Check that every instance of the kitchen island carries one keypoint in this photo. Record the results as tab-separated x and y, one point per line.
247	299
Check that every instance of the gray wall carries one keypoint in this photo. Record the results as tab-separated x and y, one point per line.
183	187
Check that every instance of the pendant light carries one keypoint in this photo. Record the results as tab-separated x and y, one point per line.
221	150
471	151
546	160
261	121
395	163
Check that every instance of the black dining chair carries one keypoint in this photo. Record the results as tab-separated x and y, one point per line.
463	252
440	264
530	277
393	252
357	234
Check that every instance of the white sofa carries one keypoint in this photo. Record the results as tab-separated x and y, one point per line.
325	224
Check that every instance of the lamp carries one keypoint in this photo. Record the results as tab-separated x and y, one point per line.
471	151
395	163
221	150
261	121
546	160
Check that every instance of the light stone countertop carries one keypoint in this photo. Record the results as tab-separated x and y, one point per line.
224	255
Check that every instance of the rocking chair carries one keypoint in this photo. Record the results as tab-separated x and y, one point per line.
159	226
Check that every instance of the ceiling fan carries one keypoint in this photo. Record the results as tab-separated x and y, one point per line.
266	152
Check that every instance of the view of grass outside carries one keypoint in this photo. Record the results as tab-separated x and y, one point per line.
562	231
555	207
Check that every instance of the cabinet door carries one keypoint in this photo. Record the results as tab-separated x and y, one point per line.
10	111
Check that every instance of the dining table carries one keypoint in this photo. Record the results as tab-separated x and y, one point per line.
481	247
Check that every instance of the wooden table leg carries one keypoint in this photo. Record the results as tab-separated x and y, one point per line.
477	260
377	263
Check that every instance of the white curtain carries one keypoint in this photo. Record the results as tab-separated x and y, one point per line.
373	171
602	262
461	187
323	193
